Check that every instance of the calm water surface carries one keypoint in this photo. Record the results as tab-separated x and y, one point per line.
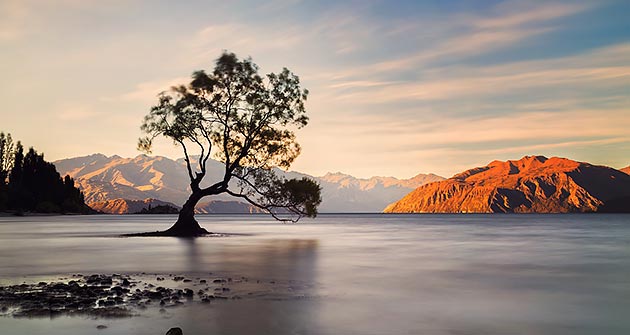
365	274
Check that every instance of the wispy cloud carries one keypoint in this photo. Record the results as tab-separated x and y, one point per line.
77	112
520	13
450	144
148	91
360	83
598	69
391	92
276	5
472	36
12	17
467	45
244	39
448	131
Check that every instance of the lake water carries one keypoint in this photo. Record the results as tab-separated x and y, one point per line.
356	274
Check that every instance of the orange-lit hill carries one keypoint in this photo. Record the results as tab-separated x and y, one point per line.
625	170
532	184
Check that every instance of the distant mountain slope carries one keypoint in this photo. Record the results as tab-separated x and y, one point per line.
226	207
348	181
625	170
533	184
126	206
105	178
345	193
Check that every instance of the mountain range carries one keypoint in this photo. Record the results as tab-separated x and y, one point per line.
108	182
127	206
532	184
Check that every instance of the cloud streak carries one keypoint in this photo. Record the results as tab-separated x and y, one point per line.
392	92
515	14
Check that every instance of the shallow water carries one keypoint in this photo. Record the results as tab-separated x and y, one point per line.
358	274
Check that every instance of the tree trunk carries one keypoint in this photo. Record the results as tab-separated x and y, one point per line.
186	225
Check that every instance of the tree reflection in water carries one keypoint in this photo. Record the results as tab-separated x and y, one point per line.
281	296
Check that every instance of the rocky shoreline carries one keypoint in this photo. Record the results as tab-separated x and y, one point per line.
116	295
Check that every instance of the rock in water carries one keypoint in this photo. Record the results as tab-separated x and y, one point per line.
175	331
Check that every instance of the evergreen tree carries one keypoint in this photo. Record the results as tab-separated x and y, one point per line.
6	164
34	185
6	156
16	192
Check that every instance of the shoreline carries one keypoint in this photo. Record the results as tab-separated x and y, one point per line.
29	214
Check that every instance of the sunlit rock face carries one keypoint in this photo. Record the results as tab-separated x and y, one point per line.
532	184
625	170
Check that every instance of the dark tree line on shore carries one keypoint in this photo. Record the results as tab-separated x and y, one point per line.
30	184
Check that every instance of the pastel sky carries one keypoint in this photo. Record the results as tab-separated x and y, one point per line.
397	87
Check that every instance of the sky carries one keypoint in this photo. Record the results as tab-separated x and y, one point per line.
397	87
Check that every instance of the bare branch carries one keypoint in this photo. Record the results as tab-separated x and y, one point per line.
187	159
267	208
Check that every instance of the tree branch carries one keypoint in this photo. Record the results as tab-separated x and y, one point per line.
187	159
267	208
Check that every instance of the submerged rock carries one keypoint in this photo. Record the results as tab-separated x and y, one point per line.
175	331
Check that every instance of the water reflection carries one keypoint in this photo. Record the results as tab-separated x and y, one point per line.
279	296
191	253
290	259
287	259
370	274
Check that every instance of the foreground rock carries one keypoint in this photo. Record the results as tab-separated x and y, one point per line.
95	295
175	331
533	184
115	296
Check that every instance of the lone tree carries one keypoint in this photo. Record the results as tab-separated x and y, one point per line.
245	122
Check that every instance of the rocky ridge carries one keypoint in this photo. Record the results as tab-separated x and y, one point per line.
532	184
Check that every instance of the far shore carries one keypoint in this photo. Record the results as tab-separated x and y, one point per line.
8	214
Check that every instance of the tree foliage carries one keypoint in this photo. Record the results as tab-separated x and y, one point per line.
6	164
246	121
6	156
